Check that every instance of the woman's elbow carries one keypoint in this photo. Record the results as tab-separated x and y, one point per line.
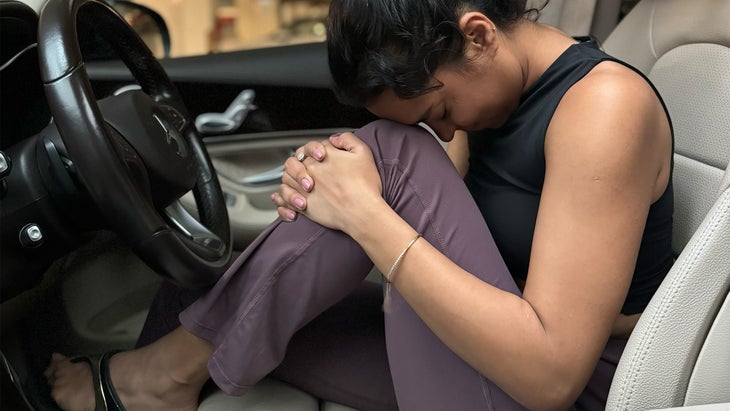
556	400
557	393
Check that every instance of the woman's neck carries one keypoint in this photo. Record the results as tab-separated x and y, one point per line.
535	47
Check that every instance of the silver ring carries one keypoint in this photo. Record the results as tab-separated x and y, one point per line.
301	156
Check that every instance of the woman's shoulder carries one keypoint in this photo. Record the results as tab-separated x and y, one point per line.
613	82
612	91
612	116
611	102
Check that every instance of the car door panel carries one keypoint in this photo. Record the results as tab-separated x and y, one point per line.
249	168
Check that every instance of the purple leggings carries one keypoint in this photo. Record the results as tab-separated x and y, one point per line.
294	271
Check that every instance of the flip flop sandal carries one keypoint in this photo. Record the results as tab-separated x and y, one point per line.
104	393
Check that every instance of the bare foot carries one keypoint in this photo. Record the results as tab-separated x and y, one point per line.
70	383
166	375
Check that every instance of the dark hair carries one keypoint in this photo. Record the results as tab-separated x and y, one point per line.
398	44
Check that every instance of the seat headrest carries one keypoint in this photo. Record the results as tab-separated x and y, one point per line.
672	23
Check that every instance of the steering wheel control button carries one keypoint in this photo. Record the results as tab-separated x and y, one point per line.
212	243
31	236
5	165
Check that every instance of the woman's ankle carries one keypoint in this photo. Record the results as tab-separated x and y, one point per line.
169	373
185	357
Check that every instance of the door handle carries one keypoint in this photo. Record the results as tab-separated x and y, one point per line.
229	120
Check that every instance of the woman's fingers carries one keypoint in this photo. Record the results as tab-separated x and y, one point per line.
348	142
295	167
296	182
313	149
288	202
286	214
296	176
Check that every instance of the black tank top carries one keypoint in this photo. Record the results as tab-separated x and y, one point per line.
507	169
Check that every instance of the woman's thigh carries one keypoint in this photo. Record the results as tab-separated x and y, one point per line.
422	185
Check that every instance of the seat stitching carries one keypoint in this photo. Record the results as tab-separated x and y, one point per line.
669	296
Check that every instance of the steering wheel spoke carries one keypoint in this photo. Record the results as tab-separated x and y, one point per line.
181	219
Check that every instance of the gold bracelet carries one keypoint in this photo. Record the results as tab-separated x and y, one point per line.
396	263
391	273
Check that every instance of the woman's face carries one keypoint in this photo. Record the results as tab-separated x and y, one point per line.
468	100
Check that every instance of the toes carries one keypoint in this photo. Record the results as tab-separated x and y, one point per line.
56	362
48	373
70	384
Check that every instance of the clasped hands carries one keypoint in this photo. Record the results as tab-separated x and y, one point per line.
330	181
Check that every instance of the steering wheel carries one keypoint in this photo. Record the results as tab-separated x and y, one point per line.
136	153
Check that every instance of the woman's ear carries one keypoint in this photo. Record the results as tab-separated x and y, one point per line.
480	32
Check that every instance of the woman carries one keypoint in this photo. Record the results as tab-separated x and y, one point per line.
569	161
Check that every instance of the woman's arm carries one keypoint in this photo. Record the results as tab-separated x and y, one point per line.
458	151
607	155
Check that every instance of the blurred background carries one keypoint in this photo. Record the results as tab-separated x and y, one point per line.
209	26
199	27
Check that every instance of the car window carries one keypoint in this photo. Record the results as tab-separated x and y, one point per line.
210	26
198	27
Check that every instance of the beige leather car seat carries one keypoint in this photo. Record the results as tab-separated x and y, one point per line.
679	353
595	18
572	16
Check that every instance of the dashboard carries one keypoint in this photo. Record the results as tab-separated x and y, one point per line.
23	108
41	201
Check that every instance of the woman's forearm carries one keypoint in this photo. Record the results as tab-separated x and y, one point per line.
496	332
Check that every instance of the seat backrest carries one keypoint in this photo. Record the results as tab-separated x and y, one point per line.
679	353
572	16
605	18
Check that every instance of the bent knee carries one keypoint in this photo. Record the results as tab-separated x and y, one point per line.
390	140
